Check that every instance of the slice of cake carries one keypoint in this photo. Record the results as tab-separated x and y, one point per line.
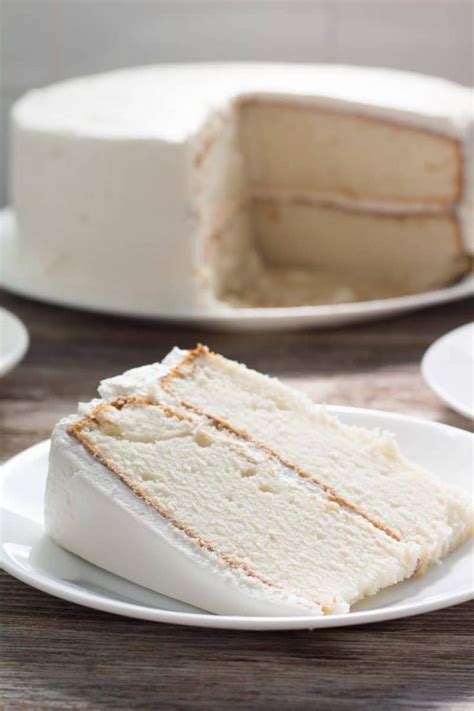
219	486
189	507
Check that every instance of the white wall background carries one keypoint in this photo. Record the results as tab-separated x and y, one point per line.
43	41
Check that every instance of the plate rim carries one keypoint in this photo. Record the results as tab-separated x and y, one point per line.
237	622
438	389
11	360
322	315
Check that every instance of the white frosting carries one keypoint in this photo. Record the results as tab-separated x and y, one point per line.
118	229
170	102
143	381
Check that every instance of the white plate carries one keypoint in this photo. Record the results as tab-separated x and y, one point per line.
448	368
29	555
293	318
13	341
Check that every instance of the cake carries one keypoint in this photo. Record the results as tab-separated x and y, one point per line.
202	189
219	486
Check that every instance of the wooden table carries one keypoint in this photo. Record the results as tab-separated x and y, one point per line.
54	654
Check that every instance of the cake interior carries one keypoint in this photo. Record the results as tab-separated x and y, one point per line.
298	204
362	467
236	501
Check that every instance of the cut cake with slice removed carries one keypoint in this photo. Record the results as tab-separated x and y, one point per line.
362	468
191	509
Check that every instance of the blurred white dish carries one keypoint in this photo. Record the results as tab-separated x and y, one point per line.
13	341
448	368
30	556
239	319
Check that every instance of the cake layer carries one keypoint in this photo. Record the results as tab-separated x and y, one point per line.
287	251
363	468
370	254
233	499
315	150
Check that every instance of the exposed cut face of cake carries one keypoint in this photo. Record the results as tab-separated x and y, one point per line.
219	486
204	188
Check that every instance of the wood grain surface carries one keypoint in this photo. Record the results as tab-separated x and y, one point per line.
56	655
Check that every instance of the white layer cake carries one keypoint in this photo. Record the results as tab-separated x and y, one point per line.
150	190
219	486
